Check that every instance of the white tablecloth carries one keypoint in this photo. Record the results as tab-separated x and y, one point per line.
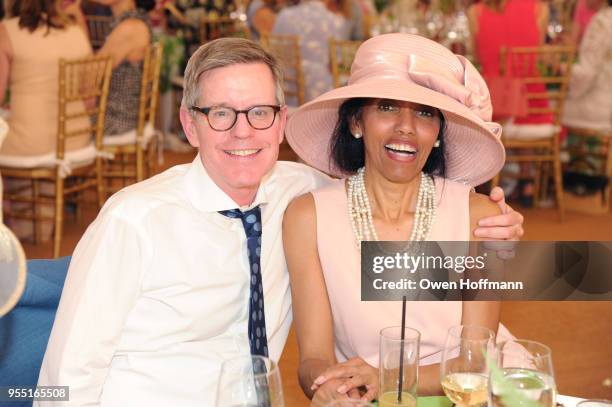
568	401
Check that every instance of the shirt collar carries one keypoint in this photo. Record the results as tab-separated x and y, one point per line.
206	196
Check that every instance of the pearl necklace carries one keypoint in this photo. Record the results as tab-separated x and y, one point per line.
360	211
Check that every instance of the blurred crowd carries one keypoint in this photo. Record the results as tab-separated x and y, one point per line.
36	34
475	28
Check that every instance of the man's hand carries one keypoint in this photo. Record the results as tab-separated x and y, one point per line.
356	373
506	226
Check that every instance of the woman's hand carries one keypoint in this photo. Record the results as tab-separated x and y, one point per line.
355	373
328	392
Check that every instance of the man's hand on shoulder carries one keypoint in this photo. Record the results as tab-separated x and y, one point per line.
507	225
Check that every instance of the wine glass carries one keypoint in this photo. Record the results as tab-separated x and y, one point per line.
463	369
398	367
250	381
526	375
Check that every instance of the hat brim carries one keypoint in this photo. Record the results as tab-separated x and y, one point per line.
473	150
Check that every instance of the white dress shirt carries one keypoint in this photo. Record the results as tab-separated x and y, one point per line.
157	293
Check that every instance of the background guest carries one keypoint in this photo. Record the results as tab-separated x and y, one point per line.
315	22
585	11
31	44
363	15
505	23
261	15
495	24
126	43
589	102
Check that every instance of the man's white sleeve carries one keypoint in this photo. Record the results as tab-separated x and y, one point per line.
101	288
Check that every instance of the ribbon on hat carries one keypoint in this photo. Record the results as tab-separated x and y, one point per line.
471	90
461	82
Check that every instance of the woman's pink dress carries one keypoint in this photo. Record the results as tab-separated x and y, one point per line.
357	324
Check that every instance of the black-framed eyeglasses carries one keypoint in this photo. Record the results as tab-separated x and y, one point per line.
222	118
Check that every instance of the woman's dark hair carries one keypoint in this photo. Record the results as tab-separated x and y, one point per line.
33	13
146	5
348	153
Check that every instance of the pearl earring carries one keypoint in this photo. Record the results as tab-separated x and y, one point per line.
357	135
437	143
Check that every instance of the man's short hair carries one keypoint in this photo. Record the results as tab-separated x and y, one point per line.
225	52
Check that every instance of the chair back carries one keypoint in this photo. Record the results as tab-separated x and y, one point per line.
546	72
287	49
341	56
149	96
83	92
99	27
149	87
213	27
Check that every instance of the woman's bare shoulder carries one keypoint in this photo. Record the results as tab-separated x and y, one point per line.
301	207
130	29
480	204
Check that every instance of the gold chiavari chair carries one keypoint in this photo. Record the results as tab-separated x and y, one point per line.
214	27
546	72
287	49
128	150
341	55
83	92
99	27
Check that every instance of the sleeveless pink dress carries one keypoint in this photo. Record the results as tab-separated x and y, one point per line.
520	29
357	324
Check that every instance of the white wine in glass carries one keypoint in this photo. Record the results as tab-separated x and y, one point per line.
527	366
534	385
466	389
464	374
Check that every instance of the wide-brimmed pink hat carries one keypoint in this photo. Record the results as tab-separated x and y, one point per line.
410	68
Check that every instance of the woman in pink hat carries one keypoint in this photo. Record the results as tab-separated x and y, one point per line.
409	137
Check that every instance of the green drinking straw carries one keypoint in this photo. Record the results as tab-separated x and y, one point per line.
401	366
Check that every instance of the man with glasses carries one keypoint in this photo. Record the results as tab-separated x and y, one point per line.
170	279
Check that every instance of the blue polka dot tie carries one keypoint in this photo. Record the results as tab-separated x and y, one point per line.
251	221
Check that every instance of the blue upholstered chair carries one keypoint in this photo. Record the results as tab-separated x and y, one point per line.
25	330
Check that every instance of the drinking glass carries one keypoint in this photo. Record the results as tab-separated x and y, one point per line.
526	375
250	381
398	380
463	369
